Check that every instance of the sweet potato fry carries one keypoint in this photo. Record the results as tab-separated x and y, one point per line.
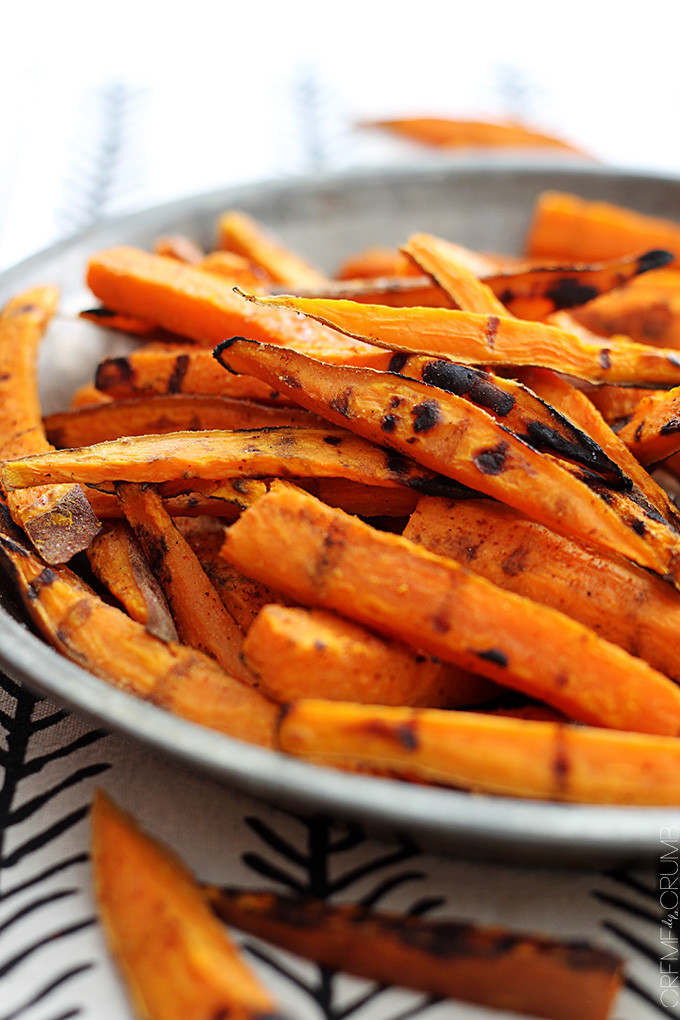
616	404
453	269
291	452
117	560
240	233
448	133
177	961
648	314
475	339
88	396
652	432
445	433
371	263
105	641
198	305
158	415
488	754
236	268
107	318
149	372
180	247
57	519
312	653
490	966
537	291
567	227
396	291
201	618
622	603
326	558
191	498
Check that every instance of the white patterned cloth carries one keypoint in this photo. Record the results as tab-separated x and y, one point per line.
104	113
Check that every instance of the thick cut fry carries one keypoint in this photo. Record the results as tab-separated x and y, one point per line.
146	373
447	133
536	291
490	966
616	404
240	233
311	653
201	619
567	227
653	431
648	314
198	305
177	961
328	559
117	560
488	754
622	603
158	415
447	434
291	452
475	339
58	519
105	641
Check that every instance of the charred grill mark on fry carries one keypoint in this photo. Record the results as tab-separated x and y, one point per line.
113	372
492	324
340	404
491	461
670	427
43	580
388	423
404	734
569	292
178	372
560	762
604	357
397	362
333	440
426	415
494	655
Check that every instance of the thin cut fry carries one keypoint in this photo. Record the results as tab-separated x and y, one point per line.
328	559
488	754
176	959
240	233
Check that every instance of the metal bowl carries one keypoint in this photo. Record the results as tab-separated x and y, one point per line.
481	204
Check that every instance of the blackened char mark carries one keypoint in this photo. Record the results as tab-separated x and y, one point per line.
654	260
494	655
464	381
333	440
114	371
404	734
397	362
178	372
340	404
492	324
388	423
426	415
45	578
604	358
670	427
491	460
569	292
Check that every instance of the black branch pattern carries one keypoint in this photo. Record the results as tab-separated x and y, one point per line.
25	718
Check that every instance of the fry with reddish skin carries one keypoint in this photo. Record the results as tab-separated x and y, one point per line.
447	434
290	452
328	559
488	754
176	959
490	966
149	372
312	653
516	407
567	227
58	519
117	561
237	232
204	308
537	291
159	415
622	603
653	430
475	339
201	618
575	405
105	641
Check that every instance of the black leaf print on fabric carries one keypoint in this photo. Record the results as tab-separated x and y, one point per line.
636	918
30	799
309	870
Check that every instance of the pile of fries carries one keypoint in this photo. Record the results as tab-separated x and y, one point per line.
416	520
406	521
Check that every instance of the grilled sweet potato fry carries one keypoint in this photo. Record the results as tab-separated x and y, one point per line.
488	754
456	271
622	603
105	641
180	247
107	318
328	559
191	498
158	415
198	305
447	434
201	619
117	560
236	268
240	233
490	966
177	961
291	452
148	372
475	339
567	227
309	653
652	432
58	519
